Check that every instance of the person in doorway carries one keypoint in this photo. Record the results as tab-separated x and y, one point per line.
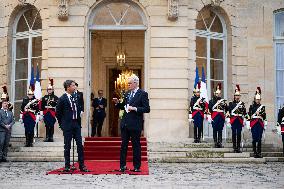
68	114
197	111
280	124
48	105
217	110
237	113
99	104
257	122
134	104
6	123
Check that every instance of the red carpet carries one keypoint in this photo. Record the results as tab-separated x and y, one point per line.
105	167
102	156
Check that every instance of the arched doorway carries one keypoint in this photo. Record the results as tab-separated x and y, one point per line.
113	26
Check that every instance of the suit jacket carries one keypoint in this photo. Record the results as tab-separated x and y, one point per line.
64	112
4	120
134	120
99	113
80	98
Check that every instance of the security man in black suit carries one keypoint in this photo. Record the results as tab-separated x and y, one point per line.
99	104
134	104
80	99
68	113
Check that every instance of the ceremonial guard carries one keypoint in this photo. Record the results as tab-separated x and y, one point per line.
280	124
48	106
217	109
196	113
29	115
257	122
5	97
236	114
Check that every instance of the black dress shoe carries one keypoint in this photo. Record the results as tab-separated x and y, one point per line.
122	169
45	140
66	169
84	169
136	170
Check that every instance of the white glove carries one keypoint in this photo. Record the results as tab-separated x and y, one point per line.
278	128
37	118
190	120
228	124
209	118
189	116
41	113
248	125
21	120
265	123
81	114
21	116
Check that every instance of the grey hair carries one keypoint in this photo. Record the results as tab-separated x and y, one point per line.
134	78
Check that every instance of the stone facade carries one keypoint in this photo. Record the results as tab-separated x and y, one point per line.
169	68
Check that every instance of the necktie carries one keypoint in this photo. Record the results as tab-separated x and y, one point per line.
73	107
131	95
6	113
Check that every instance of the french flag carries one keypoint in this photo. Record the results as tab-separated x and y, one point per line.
203	88
37	91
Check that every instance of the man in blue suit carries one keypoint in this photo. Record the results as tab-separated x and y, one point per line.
99	104
134	104
68	116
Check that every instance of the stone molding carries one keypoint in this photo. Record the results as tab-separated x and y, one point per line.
63	11
173	10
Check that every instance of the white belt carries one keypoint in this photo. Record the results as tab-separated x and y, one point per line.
49	107
197	108
257	117
217	110
240	115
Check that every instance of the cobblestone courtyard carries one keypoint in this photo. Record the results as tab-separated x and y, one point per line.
32	175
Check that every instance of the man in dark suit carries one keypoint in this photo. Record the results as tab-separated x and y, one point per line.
99	104
6	123
134	104
80	99
68	114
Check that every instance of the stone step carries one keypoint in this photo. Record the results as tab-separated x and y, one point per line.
38	159
39	144
274	159
208	160
38	154
38	149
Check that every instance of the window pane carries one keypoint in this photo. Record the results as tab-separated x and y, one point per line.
20	89
21	69
217	25
37	44
216	69
35	62
103	17
22	25
22	48
213	87
216	49
31	16
199	63
279	83
201	47
279	24
279	103
132	17
279	55
17	109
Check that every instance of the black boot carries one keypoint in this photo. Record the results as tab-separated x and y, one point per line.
234	142
27	140
195	134
259	149
215	138
283	149
31	140
51	132
254	149
239	138
46	134
219	139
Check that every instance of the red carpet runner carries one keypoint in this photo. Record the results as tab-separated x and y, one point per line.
102	157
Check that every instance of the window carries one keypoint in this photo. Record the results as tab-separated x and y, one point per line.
27	53
279	57
211	49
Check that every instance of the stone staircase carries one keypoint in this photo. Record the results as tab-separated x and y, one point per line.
188	152
40	152
171	152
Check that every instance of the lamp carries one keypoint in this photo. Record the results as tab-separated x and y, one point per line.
120	54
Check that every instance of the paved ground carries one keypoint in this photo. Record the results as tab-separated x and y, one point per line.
162	176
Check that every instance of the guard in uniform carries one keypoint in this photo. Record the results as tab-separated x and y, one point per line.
216	116
48	106
5	96
29	115
280	123
257	122
237	113
196	113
